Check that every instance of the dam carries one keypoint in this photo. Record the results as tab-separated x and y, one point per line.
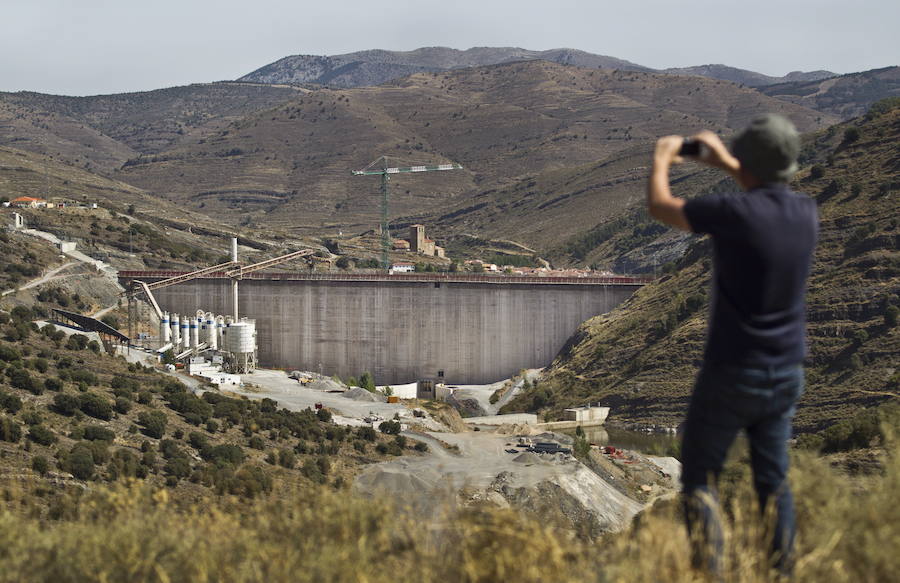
470	329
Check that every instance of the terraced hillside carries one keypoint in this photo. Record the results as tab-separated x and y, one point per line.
502	123
641	358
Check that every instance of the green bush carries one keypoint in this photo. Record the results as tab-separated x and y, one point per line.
80	461
40	465
178	467
891	316
77	342
84	376
122	405
10	430
851	134
367	433
389	427
223	454
198	441
42	435
65	404
95	405
10	403
286	458
366	381
52	384
153	423
22	379
97	433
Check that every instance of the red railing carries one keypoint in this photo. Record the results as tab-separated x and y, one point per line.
408	277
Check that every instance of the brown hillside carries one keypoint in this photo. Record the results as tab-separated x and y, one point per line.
291	164
641	358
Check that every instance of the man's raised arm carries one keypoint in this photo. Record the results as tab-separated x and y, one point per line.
661	204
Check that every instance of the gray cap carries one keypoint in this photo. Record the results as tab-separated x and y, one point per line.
768	148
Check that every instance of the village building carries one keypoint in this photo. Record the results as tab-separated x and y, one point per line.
419	243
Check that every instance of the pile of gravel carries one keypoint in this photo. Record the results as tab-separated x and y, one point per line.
360	394
325	385
529	457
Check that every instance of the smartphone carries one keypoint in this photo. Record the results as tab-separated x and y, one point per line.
690	148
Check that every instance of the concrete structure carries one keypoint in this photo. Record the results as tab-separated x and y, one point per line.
432	390
508	419
477	329
588	415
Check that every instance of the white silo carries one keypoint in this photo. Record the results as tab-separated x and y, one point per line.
195	333
185	333
210	336
240	343
165	333
176	332
220	325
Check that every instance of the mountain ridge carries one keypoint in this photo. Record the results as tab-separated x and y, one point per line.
377	66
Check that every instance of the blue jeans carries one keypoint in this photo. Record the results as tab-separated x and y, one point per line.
727	399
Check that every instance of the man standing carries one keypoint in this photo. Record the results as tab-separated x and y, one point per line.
763	241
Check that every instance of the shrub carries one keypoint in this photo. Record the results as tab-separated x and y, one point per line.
367	433
366	381
312	471
851	135
80	461
198	441
390	427
323	415
42	435
286	458
97	433
77	342
256	442
40	364
891	316
10	403
22	379
52	384
178	467
40	465
95	405
8	353
122	405
84	376
223	454
65	404
153	423
10	430
123	463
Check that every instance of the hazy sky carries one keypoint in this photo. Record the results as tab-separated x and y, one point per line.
84	47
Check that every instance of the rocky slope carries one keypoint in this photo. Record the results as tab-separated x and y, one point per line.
845	96
374	67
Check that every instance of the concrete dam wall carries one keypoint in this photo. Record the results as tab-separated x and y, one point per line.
402	330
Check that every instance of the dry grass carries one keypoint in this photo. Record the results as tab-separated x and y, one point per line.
849	531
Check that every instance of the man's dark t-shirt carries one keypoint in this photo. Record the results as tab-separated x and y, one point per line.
763	242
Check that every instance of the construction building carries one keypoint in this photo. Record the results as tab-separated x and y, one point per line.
419	243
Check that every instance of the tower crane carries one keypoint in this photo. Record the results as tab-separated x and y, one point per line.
380	168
